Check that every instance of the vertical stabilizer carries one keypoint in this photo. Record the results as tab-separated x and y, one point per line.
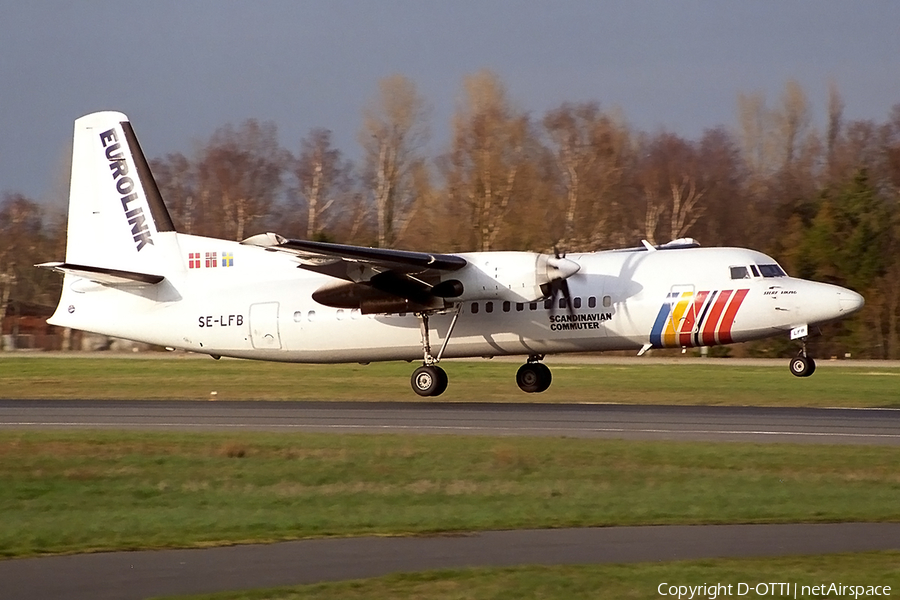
117	219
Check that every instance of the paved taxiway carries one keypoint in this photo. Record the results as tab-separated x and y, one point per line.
149	573
125	575
688	423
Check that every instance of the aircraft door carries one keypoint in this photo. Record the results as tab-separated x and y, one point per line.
682	323
264	326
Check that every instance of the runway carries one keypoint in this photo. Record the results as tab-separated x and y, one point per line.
631	422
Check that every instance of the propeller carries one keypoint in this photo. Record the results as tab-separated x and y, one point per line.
559	269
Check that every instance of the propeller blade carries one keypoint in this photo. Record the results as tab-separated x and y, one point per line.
570	307
558	270
560	287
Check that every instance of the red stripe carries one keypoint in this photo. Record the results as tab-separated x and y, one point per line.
709	328
687	327
730	314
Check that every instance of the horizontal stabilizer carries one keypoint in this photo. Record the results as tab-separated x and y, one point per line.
103	275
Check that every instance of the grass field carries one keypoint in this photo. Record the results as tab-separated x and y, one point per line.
631	582
691	383
82	491
86	491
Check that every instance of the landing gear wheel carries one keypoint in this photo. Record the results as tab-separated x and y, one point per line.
429	380
803	366
546	377
534	377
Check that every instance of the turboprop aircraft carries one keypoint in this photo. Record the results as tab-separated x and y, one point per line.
128	273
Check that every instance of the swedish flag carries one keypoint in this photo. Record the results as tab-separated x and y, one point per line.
227	259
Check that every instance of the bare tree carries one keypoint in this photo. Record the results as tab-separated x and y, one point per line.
729	217
324	178
792	121
488	150
835	124
685	211
176	177
25	241
394	131
755	127
239	177
589	148
668	177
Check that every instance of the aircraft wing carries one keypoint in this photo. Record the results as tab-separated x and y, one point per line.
102	274
377	277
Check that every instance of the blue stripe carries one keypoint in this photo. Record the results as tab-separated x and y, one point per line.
664	312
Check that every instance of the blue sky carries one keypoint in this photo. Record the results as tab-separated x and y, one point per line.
180	69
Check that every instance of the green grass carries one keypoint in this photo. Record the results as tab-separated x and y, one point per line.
81	491
631	582
189	378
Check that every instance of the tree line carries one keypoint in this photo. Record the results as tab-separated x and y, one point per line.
823	200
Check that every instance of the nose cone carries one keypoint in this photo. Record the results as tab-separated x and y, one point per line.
849	302
562	268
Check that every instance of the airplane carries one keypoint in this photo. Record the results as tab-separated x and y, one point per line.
129	274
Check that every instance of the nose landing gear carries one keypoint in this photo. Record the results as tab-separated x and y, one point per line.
803	365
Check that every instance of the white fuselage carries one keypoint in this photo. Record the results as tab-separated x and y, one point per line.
245	301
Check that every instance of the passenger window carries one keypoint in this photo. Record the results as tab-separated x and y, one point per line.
474	308
340	314
548	303
488	307
755	271
311	315
520	307
532	306
506	306
607	301
592	302
298	316
740	273
562	303
576	302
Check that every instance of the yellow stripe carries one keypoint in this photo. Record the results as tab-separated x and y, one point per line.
670	337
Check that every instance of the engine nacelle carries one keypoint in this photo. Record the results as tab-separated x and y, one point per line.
512	276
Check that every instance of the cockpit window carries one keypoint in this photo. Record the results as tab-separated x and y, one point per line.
740	273
772	271
755	270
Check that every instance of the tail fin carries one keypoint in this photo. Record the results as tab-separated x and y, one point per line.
117	218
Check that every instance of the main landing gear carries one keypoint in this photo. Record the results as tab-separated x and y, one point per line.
430	379
534	376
